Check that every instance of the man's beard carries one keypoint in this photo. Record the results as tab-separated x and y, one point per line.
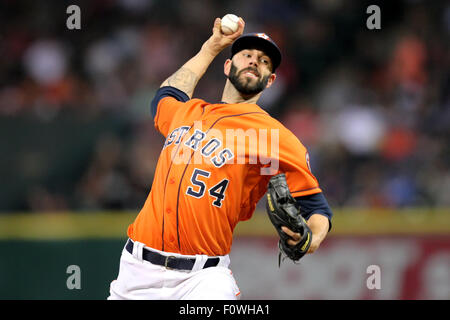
246	86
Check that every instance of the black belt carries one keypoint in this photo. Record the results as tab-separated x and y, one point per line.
170	262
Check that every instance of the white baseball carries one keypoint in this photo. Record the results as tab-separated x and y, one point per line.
229	23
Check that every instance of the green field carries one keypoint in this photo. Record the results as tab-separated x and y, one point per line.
87	225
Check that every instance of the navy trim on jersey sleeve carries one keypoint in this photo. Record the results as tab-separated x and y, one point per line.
314	203
167	92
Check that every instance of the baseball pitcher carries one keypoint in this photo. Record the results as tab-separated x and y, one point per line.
217	162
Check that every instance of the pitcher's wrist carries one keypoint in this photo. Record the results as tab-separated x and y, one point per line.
210	50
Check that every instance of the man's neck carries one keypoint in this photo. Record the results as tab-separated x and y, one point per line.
231	95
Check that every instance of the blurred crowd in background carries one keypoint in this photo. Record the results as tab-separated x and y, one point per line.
371	106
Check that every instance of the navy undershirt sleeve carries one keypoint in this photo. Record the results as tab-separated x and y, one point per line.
314	203
167	92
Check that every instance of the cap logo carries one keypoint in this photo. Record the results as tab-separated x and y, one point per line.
263	35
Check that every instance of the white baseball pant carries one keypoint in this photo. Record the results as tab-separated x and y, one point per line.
141	280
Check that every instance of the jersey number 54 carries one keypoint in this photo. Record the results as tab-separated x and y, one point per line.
217	191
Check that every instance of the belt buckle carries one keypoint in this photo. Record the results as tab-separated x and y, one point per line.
166	262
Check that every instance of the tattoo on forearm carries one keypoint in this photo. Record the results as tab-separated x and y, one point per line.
184	79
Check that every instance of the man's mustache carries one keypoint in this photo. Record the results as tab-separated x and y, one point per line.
255	71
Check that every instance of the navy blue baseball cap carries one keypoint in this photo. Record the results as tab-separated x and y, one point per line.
260	41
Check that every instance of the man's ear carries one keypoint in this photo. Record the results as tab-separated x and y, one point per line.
227	67
272	78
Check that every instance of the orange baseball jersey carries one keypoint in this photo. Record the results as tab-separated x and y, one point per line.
214	167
